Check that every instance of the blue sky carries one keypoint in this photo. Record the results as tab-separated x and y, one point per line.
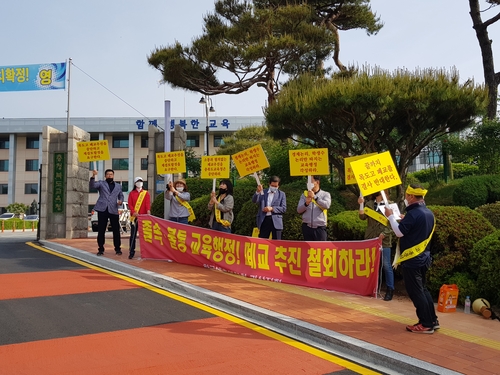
110	40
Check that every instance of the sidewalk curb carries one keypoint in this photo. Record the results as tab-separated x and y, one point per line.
359	351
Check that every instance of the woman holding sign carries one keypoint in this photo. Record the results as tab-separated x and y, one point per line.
180	209
378	226
222	207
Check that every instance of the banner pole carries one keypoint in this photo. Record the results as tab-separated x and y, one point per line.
69	84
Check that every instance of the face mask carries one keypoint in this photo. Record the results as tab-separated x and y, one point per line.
222	191
179	188
109	180
273	189
139	184
406	202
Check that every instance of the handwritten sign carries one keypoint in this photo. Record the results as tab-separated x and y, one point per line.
171	162
306	162
93	151
350	179
215	166
251	160
375	173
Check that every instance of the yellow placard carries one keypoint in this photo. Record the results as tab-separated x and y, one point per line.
93	151
250	160
171	162
375	173
215	166
306	162
349	174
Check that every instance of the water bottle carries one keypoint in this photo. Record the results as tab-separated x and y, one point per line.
467	305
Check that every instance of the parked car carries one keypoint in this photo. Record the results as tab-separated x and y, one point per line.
124	213
7	216
31	218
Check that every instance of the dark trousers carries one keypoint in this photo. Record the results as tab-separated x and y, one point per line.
102	226
134	229
267	227
414	279
313	234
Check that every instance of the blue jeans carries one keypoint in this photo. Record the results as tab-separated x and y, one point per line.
387	265
182	220
221	228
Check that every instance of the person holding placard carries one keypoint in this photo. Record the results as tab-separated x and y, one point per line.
378	226
415	232
178	195
110	197
313	206
221	206
139	203
272	206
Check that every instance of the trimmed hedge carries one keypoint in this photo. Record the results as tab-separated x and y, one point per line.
475	191
485	265
491	212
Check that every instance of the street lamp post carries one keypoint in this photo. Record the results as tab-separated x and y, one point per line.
207	101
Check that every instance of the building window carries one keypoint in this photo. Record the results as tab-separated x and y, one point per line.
124	185
145	185
94	136
218	140
32	142
120	164
4	189
32	165
144	164
30	188
4	165
120	141
4	143
193	141
144	141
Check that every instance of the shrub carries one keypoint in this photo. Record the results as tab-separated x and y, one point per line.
475	191
429	175
347	226
485	264
491	212
466	284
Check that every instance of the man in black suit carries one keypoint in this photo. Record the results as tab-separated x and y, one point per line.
272	206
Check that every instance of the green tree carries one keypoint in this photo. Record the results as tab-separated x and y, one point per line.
193	163
258	43
17	208
375	111
491	79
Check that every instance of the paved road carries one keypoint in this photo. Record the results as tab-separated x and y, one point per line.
61	316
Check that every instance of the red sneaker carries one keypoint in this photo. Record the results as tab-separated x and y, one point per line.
419	328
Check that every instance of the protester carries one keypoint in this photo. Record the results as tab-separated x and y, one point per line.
378	226
272	206
178	195
139	203
313	206
110	197
221	206
415	232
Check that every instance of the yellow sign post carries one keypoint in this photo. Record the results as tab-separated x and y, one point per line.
171	162
350	179
375	173
309	162
93	151
251	160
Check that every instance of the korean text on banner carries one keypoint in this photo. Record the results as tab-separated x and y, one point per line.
215	167
309	162
171	162
51	76
350	179
251	160
93	151
344	266
375	173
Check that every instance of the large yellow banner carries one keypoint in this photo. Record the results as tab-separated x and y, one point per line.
375	173
93	151
307	162
171	162
350	179
251	160
215	166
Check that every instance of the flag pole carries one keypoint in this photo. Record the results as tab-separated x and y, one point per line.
69	83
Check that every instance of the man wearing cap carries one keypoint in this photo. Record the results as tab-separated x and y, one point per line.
139	203
415	232
110	197
178	195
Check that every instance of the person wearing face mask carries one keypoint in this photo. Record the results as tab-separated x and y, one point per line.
415	231
110	197
178	195
313	206
139	203
272	206
221	206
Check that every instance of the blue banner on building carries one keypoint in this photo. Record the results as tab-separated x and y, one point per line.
50	76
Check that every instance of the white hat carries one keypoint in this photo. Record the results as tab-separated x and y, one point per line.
137	179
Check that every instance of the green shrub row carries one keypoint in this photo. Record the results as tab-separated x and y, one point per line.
9	224
476	191
434	174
